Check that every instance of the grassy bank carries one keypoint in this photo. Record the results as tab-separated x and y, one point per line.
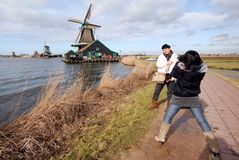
227	63
48	130
124	122
234	82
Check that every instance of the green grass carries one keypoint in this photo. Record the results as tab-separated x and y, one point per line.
227	63
125	123
233	81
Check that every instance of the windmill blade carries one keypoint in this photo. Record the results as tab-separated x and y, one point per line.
92	26
76	21
88	14
78	36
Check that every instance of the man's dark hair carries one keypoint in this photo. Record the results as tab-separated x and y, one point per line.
165	46
191	59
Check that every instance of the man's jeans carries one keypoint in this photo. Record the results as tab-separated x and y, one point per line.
159	87
196	111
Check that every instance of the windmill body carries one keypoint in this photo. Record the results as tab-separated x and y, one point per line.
87	30
88	48
87	36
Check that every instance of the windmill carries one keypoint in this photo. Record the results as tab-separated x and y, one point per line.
46	51
89	49
87	30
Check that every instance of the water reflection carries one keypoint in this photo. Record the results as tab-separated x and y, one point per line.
22	80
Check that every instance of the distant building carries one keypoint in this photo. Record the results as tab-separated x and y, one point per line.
36	54
46	51
87	47
97	50
13	54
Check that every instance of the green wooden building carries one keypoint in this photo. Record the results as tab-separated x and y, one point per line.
89	49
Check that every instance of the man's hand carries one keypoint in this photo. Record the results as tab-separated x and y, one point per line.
169	62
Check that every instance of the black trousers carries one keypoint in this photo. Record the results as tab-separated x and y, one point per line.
159	87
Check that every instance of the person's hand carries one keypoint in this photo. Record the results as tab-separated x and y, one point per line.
169	62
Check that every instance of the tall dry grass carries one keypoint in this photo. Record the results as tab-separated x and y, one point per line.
142	70
142	67
129	60
47	129
19	101
36	133
107	79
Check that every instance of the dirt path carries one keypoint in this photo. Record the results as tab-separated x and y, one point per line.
221	105
185	140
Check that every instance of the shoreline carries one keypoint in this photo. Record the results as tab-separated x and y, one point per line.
44	131
96	123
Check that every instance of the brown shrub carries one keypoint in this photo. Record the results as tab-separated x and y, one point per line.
107	79
129	60
47	129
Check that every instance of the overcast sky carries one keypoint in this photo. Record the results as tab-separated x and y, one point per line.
129	26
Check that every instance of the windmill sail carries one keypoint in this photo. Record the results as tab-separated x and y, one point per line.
77	38
76	21
92	26
88	14
86	34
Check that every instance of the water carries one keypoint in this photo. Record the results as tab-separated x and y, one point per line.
22	80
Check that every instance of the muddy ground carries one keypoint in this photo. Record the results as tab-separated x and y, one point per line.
185	140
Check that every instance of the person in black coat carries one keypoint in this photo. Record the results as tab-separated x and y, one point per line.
189	71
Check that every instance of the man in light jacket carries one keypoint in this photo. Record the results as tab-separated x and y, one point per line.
165	64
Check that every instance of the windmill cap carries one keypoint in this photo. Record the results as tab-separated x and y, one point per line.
166	46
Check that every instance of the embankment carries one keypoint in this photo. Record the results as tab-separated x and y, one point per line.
59	124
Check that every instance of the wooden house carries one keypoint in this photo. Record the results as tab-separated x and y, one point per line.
89	49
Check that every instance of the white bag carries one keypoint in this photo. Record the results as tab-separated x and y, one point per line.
158	77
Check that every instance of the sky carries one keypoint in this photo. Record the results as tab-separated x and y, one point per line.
128	26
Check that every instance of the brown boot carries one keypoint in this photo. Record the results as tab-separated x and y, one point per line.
154	104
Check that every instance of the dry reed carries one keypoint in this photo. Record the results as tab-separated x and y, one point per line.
107	79
142	68
19	101
143	72
46	130
129	60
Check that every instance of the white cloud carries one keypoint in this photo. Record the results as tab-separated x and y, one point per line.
228	7
26	3
107	8
190	32
153	11
119	19
37	20
124	19
225	39
153	18
201	20
31	20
